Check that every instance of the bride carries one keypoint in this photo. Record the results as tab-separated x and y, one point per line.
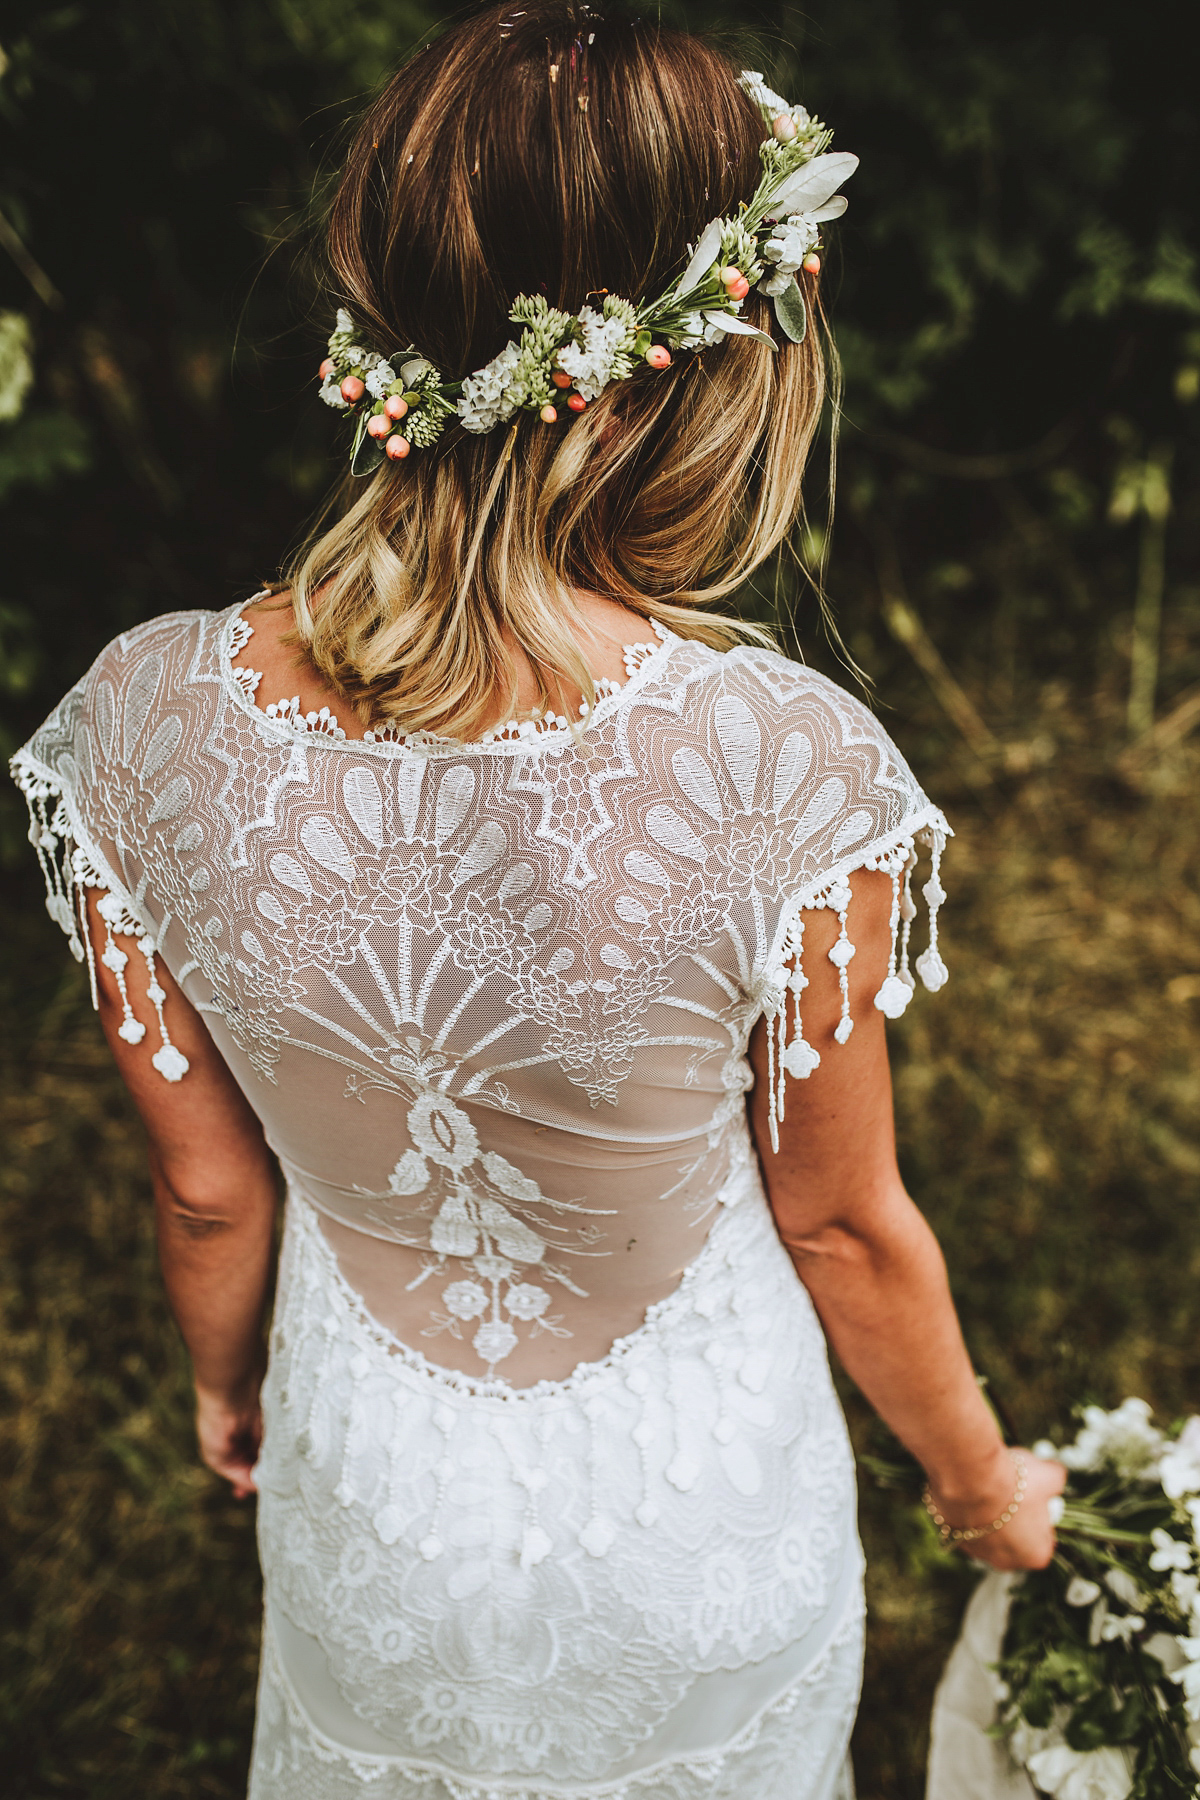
505	892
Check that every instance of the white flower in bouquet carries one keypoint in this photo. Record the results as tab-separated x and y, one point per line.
1121	1627
1123	1440
1185	1589
1179	1469
1105	1627
1169	1552
1124	1678
1068	1774
1166	1648
1188	1676
1121	1584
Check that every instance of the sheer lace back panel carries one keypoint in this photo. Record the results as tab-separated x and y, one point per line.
490	1001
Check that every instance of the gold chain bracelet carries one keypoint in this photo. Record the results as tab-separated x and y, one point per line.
968	1534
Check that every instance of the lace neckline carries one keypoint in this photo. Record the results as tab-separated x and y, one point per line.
547	730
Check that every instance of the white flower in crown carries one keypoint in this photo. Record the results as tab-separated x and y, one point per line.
591	366
379	378
485	399
331	393
789	244
763	243
787	122
766	99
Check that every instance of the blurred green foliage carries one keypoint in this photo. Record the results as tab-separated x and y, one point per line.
1016	298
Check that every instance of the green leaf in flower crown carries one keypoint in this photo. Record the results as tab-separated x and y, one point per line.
367	453
791	312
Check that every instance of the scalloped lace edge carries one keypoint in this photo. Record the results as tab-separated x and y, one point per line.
541	729
705	1765
584	1374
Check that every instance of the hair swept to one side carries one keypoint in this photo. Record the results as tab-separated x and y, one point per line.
551	150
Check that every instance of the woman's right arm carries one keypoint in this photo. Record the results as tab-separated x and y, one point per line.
215	1202
869	1260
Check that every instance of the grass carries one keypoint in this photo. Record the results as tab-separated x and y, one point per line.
1047	1104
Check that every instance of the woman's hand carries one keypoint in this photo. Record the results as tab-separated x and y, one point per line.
1027	1541
229	1430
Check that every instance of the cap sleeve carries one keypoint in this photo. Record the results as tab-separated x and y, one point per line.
72	773
841	799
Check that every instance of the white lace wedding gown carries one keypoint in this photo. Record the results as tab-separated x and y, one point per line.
555	1495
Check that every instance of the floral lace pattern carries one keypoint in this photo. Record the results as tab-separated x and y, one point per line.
425	958
540	725
793	1750
492	1004
528	1583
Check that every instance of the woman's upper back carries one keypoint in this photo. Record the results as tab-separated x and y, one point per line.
490	1000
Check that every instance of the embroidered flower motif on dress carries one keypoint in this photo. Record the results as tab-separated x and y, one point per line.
526	967
517	1656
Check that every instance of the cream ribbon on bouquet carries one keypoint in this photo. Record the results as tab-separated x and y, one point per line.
964	1762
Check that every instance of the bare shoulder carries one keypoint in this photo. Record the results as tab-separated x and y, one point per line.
283	668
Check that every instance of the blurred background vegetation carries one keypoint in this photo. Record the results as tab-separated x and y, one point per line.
1014	565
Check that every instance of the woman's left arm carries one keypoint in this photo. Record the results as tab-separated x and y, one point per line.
215	1196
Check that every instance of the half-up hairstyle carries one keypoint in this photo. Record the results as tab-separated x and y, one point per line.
555	151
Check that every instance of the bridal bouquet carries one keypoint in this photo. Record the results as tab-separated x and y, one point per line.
1098	1671
1100	1666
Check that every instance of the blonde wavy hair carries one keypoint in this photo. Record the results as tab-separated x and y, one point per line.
551	150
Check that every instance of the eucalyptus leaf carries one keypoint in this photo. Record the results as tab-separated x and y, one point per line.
703	257
791	312
738	327
814	184
368	451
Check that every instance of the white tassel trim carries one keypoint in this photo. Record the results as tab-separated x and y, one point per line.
69	870
798	1057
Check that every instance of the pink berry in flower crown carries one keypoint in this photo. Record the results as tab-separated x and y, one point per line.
549	415
576	402
560	378
658	356
783	129
395	407
812	264
397	447
352	389
326	369
379	425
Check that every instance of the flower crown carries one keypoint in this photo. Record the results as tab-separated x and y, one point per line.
400	402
